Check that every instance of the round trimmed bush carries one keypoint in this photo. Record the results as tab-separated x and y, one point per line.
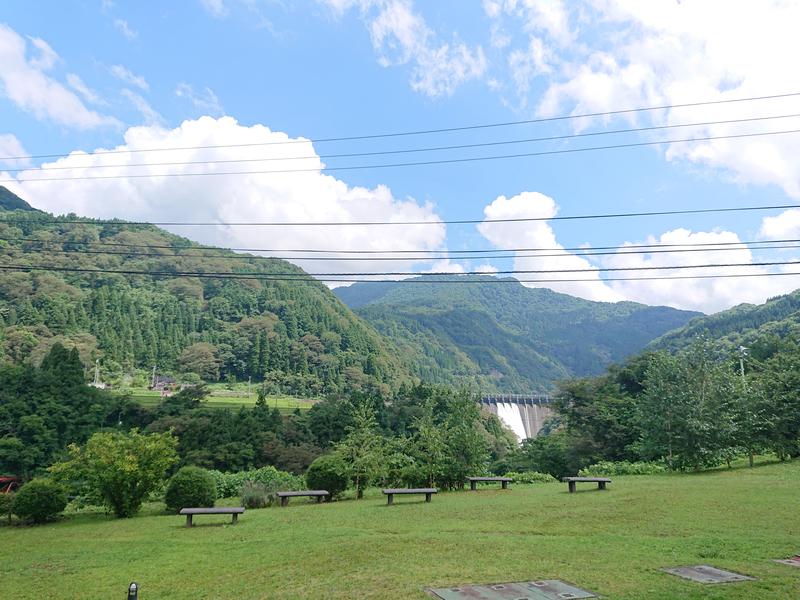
328	472
190	487
39	500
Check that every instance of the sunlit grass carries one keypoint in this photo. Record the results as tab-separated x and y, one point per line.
612	542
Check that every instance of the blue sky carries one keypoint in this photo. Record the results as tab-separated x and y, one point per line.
93	74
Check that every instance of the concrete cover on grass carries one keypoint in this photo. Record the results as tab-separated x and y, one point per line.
793	561
548	589
707	574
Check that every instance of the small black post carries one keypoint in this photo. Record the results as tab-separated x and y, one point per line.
133	591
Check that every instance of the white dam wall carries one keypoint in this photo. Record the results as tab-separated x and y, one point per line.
524	415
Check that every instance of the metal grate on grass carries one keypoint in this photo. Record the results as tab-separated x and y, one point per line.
546	589
707	574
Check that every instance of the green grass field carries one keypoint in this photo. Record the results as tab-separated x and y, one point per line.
222	398
612	542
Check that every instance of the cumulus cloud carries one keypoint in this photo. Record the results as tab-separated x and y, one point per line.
150	115
401	36
205	102
10	146
25	82
663	52
282	197
706	295
125	29
216	8
539	234
126	76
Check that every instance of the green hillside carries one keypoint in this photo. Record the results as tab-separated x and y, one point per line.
507	337
753	325
295	335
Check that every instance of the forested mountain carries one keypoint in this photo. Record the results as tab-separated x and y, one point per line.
758	326
293	334
504	336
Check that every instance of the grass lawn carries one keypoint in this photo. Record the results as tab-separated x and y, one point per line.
612	542
220	398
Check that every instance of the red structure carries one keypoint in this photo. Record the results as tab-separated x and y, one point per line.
8	484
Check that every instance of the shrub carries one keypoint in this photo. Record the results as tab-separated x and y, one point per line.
623	467
190	487
328	472
229	485
255	494
6	502
39	500
120	469
531	477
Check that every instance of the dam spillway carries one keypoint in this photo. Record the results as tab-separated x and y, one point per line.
523	414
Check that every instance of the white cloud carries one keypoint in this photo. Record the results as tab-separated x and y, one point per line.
216	8
25	83
11	146
539	234
205	102
783	226
706	295
664	52
47	56
88	94
125	29
149	114
307	196
401	36
126	76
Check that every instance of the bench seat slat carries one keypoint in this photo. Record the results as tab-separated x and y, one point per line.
303	493
219	510
411	491
587	479
490	479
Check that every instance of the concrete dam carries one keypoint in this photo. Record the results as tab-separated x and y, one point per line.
523	414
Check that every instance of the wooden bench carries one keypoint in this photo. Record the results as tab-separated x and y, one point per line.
427	491
318	494
600	481
473	481
235	511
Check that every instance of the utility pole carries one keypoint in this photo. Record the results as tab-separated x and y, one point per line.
153	382
742	354
249	379
96	372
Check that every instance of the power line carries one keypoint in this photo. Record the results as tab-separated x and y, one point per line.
426	131
411	164
405	150
454	255
308	279
317	250
324	276
354	223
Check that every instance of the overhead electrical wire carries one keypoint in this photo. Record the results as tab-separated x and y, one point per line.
454	255
308	279
693	211
401	151
317	250
425	131
410	164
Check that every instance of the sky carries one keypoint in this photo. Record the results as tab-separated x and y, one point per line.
269	83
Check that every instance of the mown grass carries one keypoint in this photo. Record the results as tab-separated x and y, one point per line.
219	398
612	542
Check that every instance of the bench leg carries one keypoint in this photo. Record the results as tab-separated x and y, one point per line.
427	497
319	499
601	485
472	485
284	501
235	518
504	484
188	520
571	485
389	499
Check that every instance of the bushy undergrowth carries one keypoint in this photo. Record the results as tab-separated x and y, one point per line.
39	501
230	484
6	502
328	472
531	477
190	487
622	467
255	494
